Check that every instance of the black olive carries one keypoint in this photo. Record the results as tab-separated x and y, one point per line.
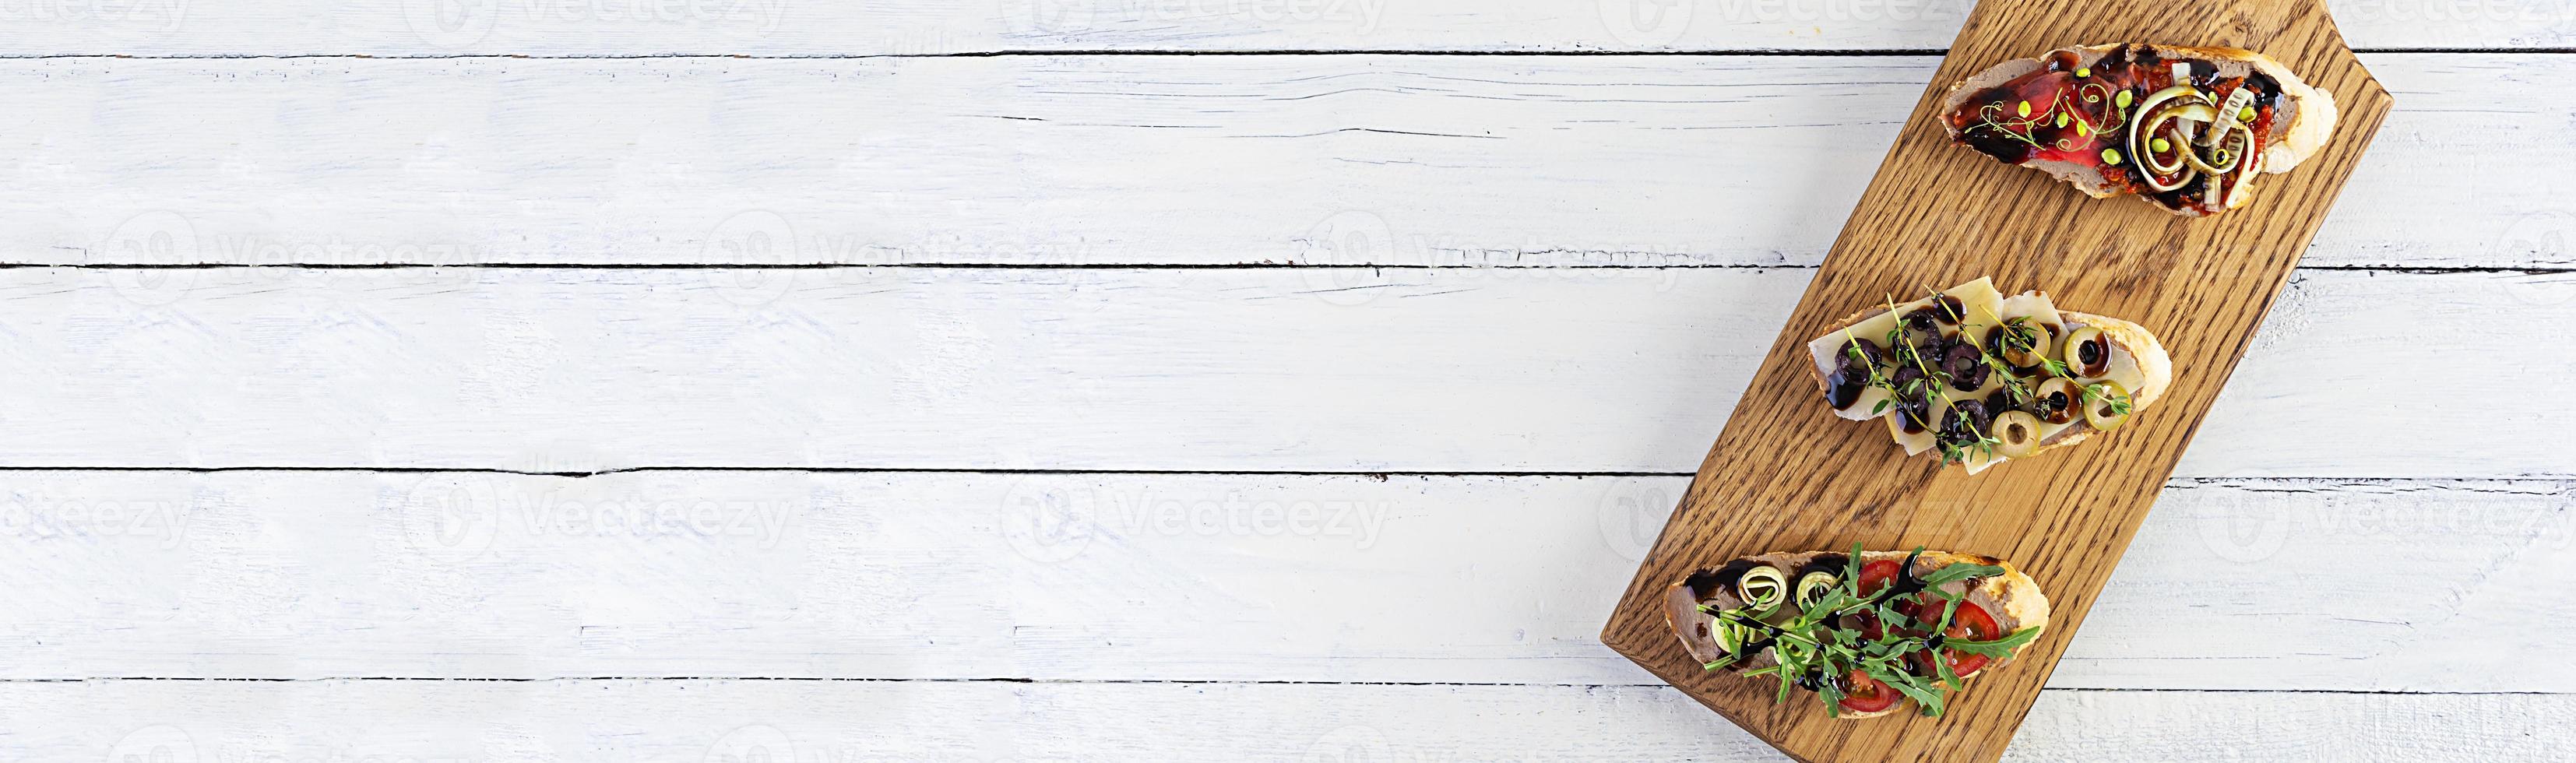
1905	376
1844	385
1966	367
1869	353
2000	402
1965	425
1950	310
1923	319
1914	414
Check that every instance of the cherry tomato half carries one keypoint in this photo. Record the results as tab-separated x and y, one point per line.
1970	623
1875	576
1863	694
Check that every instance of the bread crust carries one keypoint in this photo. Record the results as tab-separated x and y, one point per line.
2013	598
2305	121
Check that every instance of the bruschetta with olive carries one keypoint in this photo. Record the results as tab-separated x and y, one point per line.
2186	128
1981	378
1867	632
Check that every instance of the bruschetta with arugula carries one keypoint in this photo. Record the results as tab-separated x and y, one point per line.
1866	632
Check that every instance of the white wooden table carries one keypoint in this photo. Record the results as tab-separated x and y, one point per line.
704	380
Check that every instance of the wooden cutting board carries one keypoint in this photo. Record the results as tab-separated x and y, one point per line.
1787	475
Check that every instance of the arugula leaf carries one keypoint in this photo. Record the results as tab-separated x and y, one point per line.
1908	685
2001	647
1957	572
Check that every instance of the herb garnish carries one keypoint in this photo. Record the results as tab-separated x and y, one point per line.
1814	648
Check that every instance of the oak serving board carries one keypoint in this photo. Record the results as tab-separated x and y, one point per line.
1787	475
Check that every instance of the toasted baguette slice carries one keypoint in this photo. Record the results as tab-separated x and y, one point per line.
2011	598
2071	113
2138	364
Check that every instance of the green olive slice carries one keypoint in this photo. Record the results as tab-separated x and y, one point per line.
2106	405
2018	433
2056	400
2088	352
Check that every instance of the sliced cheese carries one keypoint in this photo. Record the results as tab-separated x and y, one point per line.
1976	298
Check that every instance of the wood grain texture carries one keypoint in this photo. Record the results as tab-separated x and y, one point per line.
1107	577
1786	475
1312	369
716	721
1533	161
932	27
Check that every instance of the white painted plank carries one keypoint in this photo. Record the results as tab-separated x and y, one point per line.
1314	369
2233	585
1409	160
782	28
741	722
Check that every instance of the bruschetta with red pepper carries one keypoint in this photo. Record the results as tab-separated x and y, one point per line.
2186	128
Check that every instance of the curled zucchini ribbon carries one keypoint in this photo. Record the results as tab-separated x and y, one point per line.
2179	133
1813	586
1762	589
